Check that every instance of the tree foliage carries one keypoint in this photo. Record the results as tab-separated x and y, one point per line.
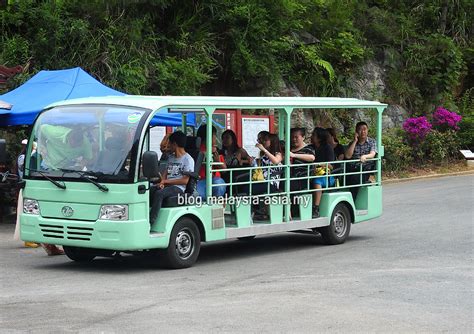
243	47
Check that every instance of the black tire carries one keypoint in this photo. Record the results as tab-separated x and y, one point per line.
339	226
185	244
250	237
79	254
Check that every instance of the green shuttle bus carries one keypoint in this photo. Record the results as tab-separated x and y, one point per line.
87	186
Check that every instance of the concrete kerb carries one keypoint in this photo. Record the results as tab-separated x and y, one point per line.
431	176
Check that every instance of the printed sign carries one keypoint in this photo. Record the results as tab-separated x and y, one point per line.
250	129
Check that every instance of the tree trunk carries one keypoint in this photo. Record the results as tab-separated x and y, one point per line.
444	14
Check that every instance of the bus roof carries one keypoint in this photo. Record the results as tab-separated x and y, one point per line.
223	102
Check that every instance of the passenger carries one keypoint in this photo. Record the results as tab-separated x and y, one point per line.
20	161
271	156
234	155
282	147
34	156
173	182
262	135
362	147
165	147
66	147
334	142
324	153
260	138
216	157
300	154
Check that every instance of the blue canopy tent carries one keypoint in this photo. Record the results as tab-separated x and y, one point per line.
47	87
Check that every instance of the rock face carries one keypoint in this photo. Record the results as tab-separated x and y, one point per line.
300	117
394	116
368	84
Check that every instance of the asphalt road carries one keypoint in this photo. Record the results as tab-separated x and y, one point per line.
410	270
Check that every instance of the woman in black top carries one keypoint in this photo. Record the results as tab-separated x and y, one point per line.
324	153
234	155
300	155
334	142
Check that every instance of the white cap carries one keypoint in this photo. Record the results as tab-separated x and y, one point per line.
24	142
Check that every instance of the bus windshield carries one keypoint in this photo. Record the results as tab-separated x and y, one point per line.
73	141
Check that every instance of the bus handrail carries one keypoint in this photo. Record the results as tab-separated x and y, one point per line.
310	176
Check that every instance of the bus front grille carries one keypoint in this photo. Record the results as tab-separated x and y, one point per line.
52	231
79	233
68	232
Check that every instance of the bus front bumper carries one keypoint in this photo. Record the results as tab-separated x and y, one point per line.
101	234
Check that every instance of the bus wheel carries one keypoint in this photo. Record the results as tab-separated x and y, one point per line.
79	254
184	246
339	226
250	237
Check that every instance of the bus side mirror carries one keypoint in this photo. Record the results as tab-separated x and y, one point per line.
3	151
150	164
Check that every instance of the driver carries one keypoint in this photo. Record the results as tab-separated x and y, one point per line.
65	147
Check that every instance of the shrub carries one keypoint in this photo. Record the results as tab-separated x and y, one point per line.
439	147
417	128
466	109
466	133
398	154
445	119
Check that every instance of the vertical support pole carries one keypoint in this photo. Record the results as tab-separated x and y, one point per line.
287	125
184	123
379	144
281	123
208	112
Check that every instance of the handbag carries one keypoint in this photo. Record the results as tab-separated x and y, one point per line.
257	174
321	170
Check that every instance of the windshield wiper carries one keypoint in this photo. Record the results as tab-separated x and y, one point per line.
83	176
56	183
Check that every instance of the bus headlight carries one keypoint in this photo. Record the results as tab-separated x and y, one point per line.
114	212
31	206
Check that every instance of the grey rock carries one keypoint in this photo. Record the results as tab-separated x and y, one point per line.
369	83
394	116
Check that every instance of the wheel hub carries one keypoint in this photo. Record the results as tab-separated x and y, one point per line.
339	223
184	244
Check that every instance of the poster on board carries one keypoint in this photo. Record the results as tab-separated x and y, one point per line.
251	126
157	134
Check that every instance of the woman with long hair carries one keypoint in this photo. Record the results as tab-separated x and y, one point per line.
271	156
234	155
324	153
334	142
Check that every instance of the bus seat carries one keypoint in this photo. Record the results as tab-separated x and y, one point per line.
192	147
112	157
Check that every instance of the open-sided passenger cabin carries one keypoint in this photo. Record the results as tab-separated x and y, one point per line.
236	213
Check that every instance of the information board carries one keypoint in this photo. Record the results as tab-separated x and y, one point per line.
251	126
